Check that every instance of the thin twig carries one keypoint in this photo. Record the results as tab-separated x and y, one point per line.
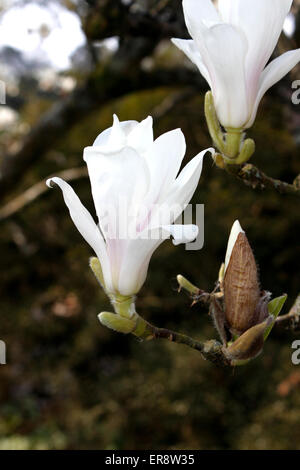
36	191
210	350
294	313
252	176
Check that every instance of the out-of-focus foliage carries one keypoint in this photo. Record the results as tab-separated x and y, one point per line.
69	383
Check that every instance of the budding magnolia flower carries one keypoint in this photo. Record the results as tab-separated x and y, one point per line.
244	305
231	46
249	344
132	178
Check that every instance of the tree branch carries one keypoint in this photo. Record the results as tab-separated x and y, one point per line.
293	315
37	190
254	177
103	86
163	20
211	350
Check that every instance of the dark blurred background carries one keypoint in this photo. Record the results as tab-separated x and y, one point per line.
69	383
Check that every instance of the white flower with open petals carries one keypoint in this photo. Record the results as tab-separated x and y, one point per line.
133	178
231	46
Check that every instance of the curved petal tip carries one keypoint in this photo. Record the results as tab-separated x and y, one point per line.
234	233
51	182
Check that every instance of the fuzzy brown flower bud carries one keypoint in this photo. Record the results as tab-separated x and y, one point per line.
241	284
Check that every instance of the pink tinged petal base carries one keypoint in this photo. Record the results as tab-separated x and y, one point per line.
119	182
135	262
136	256
134	266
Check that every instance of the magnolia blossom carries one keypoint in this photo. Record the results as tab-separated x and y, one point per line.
231	46
133	177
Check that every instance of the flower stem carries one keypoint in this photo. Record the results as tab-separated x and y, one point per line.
233	143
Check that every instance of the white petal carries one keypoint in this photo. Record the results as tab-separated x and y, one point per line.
181	233
274	72
119	184
85	225
227	48
186	184
119	181
137	255
262	22
289	25
135	262
197	13
141	136
235	231
79	214
164	159
199	16
189	48
117	135
114	138
225	8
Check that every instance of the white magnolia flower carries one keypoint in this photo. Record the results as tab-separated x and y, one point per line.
231	46
133	177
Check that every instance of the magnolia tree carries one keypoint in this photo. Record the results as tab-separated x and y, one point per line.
139	191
